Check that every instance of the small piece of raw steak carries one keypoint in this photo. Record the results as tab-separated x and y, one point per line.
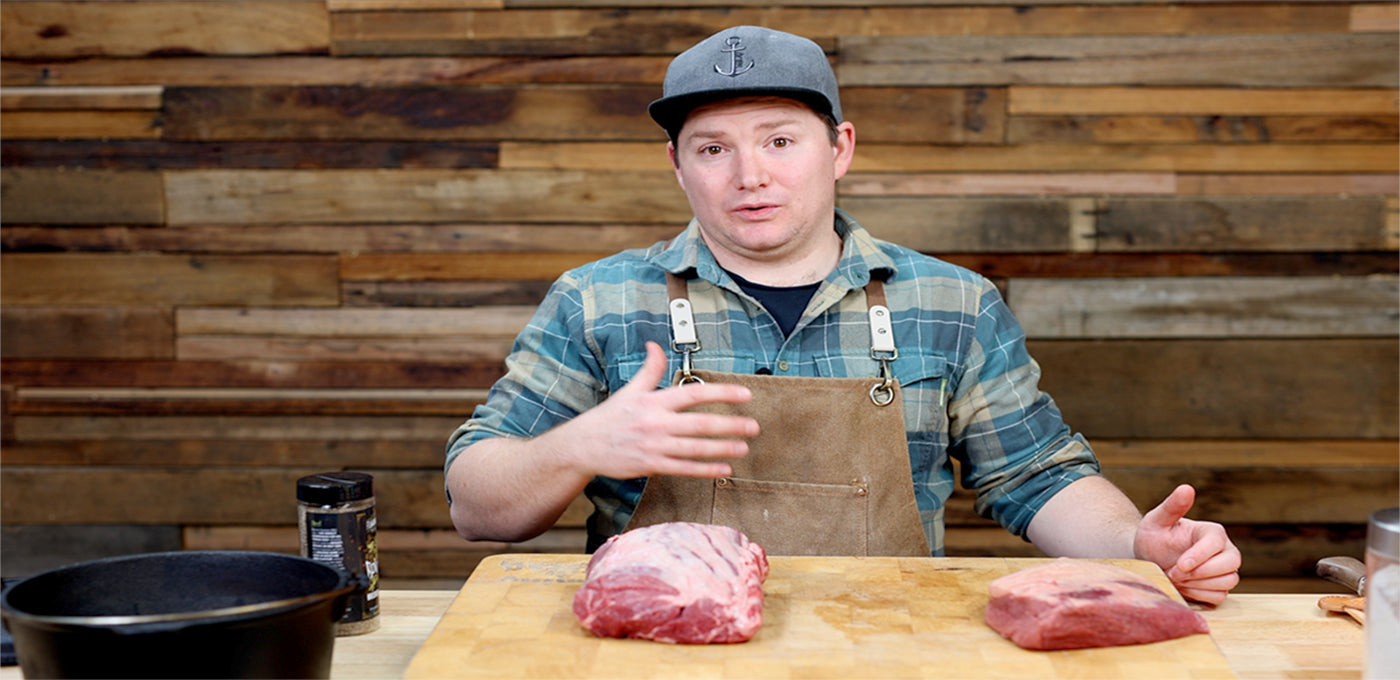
1073	604
678	582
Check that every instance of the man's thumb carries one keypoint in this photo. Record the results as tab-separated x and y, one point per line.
1173	509
653	368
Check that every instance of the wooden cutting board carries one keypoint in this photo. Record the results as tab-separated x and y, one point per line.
824	617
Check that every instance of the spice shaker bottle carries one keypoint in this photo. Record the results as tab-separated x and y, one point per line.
335	516
1383	594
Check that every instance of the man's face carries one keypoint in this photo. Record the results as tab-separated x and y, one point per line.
760	174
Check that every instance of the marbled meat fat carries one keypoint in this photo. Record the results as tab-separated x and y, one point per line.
678	582
1074	604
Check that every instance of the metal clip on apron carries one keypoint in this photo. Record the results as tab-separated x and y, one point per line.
829	472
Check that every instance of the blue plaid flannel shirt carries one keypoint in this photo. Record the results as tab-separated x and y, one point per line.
970	388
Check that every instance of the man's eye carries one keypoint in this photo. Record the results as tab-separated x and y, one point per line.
711	150
781	142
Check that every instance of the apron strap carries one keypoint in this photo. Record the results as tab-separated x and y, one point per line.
683	337
882	349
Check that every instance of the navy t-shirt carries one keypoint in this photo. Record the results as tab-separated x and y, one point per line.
785	304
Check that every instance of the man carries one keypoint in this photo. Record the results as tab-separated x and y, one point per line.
776	368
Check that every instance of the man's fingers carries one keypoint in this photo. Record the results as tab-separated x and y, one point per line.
1203	595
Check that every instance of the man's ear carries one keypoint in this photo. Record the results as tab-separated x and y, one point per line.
845	150
675	163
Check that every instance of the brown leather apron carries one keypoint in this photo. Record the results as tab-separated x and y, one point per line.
827	475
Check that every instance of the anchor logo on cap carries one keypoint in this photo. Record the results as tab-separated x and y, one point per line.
735	47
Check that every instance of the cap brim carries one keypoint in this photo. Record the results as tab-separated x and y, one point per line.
670	112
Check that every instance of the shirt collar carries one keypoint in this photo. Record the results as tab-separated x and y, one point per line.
687	255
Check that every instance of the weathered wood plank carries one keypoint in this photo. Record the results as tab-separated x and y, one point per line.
293	71
422	196
81	125
64	98
47	279
253	373
365	334
1375	17
167	401
404	498
1287	185
32	548
567	536
328	453
442	293
1322	453
1134	183
1212	224
1195	129
43	195
87	332
410	5
1243	388
118	154
251	429
1128	224
81	29
1192	307
917	115
600	156
350	350
1157	264
472	112
561	28
349	238
1206	158
949	225
1005	184
1032	100
1240	60
461	266
496	321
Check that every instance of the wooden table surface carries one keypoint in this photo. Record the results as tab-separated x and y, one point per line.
1261	636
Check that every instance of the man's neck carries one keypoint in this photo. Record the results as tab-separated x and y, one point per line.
810	265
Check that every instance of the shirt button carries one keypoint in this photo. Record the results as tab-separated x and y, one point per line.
782	365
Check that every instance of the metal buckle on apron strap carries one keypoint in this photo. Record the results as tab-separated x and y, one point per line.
882	349
683	338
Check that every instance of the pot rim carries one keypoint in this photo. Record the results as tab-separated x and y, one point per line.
345	585
201	614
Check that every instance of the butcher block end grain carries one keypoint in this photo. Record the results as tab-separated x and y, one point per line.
678	582
1076	604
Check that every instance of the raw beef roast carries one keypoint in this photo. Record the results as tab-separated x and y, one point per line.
678	582
1072	604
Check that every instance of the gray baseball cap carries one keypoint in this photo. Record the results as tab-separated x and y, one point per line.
743	61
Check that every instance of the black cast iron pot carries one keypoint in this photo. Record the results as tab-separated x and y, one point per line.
190	614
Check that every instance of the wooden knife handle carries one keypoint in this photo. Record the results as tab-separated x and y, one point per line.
1348	572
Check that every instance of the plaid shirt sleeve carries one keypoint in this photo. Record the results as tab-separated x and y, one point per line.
1016	449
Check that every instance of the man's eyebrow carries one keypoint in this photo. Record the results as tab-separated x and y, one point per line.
767	125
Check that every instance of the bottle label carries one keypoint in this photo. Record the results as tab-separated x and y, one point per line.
332	538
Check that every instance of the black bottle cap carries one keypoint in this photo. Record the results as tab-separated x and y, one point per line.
331	488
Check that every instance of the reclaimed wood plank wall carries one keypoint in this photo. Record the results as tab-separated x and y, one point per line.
247	241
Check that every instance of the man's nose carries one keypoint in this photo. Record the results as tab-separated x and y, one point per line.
750	171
